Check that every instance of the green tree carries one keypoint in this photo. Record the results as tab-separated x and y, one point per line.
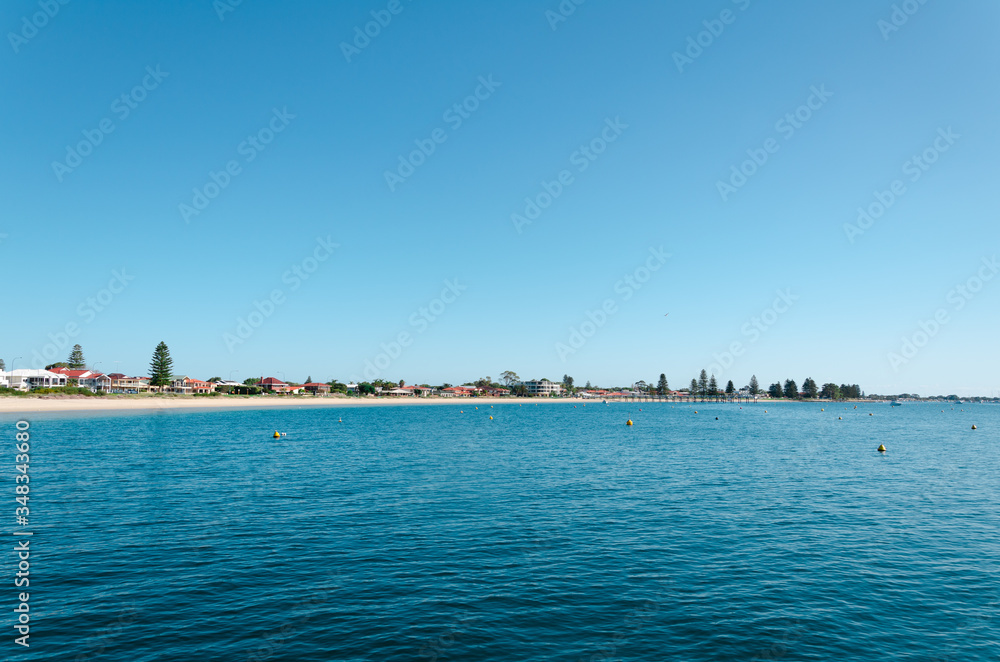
309	379
774	390
830	391
662	386
568	383
703	383
252	381
693	388
3	366
588	386
161	365
754	385
214	380
76	360
509	378
61	364
730	389
809	388
365	388
791	389
713	386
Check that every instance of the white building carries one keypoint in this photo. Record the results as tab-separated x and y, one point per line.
542	388
23	380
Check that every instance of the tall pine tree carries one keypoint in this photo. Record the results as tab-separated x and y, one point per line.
76	360
754	385
161	365
662	386
703	383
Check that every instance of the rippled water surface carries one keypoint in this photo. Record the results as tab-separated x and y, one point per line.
552	532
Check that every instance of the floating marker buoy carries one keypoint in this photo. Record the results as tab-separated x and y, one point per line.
477	407
871	414
765	411
840	418
822	410
696	411
973	427
491	418
628	422
340	420
855	406
881	448
277	435
716	418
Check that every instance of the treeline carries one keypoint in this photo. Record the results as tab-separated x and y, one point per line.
708	386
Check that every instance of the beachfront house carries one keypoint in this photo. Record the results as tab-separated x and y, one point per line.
457	392
200	387
316	388
26	379
542	388
123	384
95	381
272	385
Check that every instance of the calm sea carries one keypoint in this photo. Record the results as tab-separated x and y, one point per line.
552	532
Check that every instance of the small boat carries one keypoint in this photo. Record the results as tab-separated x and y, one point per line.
896	403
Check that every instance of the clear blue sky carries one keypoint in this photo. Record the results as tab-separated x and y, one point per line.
552	91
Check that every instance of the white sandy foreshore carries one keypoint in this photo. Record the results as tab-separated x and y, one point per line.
26	405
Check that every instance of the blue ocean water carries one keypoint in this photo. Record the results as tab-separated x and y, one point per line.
552	532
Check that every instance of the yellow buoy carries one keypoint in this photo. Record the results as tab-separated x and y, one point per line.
628	422
870	414
491	418
840	418
765	411
277	434
340	420
822	410
973	427
696	411
881	448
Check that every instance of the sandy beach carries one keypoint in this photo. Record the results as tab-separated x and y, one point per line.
26	405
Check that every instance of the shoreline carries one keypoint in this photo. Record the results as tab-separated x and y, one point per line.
42	404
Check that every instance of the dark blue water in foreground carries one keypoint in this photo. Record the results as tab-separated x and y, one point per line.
549	533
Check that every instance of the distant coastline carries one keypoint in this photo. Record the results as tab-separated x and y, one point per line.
48	403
